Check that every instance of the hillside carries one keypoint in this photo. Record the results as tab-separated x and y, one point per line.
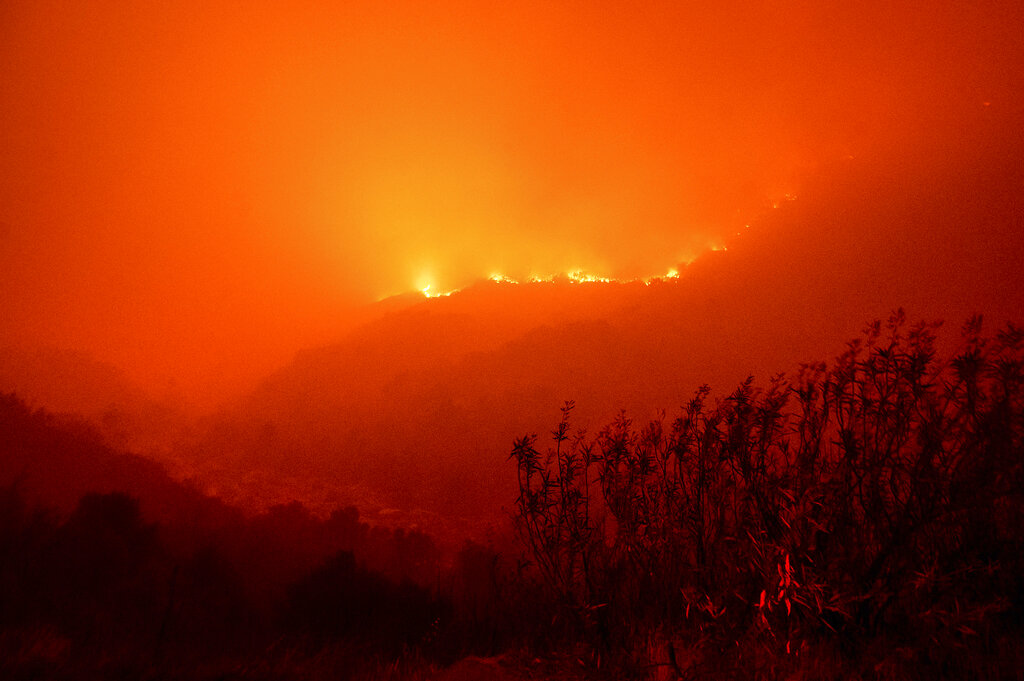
419	407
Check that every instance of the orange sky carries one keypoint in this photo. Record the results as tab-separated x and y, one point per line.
196	190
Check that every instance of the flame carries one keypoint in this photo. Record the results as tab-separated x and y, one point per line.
440	294
581	276
576	276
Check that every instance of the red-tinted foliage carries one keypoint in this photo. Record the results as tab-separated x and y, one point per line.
877	498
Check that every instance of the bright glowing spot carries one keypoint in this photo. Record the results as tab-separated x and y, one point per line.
428	294
581	277
785	197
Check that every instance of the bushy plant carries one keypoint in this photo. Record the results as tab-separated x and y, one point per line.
871	506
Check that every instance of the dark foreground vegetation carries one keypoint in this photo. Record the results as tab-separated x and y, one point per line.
863	519
168	583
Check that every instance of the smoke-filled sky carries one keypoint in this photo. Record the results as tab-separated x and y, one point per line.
194	190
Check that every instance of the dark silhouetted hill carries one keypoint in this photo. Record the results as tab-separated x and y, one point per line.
65	381
54	460
107	564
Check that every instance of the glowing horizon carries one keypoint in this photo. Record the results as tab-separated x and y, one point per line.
180	179
574	276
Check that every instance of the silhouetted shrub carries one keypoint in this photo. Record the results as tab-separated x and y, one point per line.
875	499
342	599
24	532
